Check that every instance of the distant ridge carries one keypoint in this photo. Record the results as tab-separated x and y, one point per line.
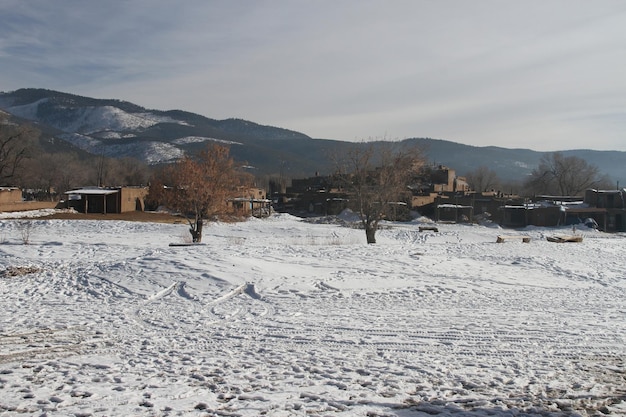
117	128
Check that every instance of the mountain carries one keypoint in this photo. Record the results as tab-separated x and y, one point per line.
48	140
118	128
515	164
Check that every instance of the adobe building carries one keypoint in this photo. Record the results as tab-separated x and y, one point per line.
10	195
440	184
445	180
11	199
605	209
314	196
611	203
107	200
252	201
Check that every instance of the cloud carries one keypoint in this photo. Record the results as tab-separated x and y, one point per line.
545	74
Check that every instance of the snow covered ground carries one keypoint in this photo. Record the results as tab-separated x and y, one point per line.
287	317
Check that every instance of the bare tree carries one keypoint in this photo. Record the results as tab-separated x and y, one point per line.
563	175
16	142
376	177
127	171
199	187
483	179
54	173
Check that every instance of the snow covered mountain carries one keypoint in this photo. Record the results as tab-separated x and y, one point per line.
121	129
118	129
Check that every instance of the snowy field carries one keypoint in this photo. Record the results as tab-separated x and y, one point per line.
286	317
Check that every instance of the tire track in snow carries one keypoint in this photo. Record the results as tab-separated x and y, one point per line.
148	312
223	310
317	330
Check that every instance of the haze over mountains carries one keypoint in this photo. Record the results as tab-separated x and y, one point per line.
118	129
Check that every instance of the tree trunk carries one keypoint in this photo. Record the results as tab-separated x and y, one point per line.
196	231
370	233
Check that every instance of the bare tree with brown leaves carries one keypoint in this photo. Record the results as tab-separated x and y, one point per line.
376	177
199	187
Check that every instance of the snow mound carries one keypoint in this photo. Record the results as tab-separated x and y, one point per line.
349	216
90	119
33	214
199	139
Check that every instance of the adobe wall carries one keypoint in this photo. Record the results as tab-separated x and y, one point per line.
27	205
10	195
132	199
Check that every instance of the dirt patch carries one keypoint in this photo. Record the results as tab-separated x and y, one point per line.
131	216
136	216
17	271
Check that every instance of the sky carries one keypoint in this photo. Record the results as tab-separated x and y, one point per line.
539	74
